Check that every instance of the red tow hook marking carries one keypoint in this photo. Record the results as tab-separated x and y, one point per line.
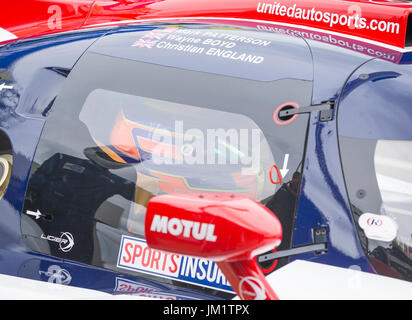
279	179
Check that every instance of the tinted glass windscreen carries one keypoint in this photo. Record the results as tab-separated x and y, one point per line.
123	131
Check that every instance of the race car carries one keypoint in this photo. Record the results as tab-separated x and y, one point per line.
212	150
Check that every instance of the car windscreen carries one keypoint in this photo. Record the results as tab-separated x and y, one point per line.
123	131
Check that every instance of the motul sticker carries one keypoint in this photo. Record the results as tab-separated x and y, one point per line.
137	256
186	228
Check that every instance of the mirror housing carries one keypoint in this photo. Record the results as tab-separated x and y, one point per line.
228	229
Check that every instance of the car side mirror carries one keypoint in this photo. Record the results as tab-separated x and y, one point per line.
228	229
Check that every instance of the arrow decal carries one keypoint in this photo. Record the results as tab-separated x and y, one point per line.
3	86
37	214
284	171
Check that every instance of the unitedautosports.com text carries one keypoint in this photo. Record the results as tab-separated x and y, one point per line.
351	20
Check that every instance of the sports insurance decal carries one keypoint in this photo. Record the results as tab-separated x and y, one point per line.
136	255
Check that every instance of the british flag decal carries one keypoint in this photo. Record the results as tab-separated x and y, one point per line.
151	39
142	43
